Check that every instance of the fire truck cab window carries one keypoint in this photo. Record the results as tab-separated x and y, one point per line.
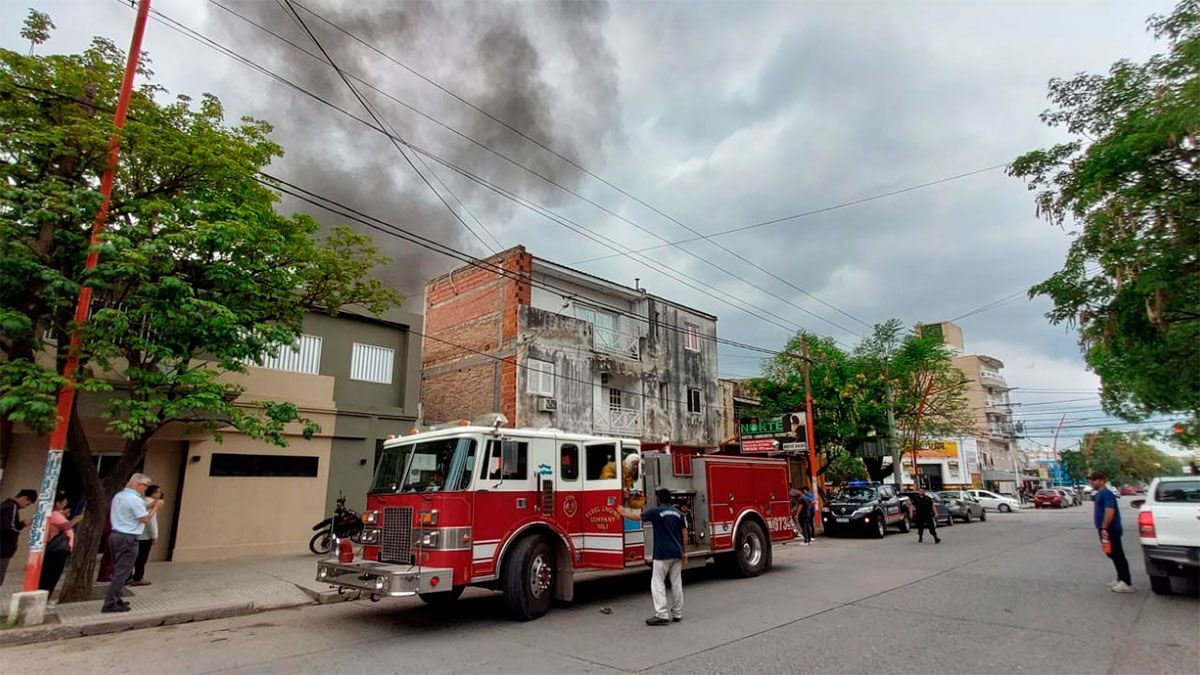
602	462
423	467
507	460
568	462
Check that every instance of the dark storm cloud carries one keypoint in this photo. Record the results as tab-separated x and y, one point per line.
494	55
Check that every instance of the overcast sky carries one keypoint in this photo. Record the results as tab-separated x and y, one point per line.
718	114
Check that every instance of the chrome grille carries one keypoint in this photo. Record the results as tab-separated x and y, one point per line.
396	540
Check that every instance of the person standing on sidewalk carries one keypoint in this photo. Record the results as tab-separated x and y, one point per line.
1107	517
923	508
11	526
670	555
808	509
60	540
129	516
146	539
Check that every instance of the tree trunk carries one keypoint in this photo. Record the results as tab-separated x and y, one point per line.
875	470
81	566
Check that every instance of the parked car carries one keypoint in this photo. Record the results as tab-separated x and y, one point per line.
1126	490
1068	496
1169	531
865	507
941	509
1071	491
1048	499
1088	492
995	502
963	505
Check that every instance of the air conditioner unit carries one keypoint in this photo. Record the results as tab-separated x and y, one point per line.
547	404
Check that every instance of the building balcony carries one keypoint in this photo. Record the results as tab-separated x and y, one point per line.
991	376
625	422
610	341
997	404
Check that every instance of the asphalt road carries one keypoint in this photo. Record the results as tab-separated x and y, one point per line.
1020	593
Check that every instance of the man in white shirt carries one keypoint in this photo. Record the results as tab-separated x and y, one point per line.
129	515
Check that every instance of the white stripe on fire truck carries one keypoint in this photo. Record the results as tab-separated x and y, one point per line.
484	551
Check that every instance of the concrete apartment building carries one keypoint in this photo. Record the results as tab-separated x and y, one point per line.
356	375
999	461
553	347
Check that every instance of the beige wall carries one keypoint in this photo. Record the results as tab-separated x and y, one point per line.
235	516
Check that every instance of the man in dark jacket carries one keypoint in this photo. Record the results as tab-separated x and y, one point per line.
923	508
11	526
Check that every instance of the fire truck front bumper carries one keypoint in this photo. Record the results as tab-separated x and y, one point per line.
384	579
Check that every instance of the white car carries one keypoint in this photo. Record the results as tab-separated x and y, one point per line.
1169	530
994	502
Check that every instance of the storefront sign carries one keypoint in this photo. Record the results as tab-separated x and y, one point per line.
759	445
795	447
767	426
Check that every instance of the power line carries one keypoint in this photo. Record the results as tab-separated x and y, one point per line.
385	227
657	266
805	214
550	181
576	165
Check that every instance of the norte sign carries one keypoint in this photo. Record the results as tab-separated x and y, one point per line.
767	426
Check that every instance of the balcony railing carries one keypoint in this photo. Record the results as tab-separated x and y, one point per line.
611	342
989	374
619	421
992	402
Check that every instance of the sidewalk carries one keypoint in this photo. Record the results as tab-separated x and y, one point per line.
181	593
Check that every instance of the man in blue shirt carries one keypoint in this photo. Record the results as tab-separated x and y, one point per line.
1107	518
128	515
670	555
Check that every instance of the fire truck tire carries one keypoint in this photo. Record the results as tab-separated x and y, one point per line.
529	578
751	551
442	599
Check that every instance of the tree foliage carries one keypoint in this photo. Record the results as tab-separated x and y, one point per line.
1074	465
1129	183
1126	457
850	391
198	275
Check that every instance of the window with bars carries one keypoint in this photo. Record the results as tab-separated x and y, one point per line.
302	357
615	399
695	405
371	363
691	337
540	376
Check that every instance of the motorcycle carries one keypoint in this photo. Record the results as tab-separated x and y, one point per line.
343	524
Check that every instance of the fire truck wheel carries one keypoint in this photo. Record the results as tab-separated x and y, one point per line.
442	599
529	578
751	551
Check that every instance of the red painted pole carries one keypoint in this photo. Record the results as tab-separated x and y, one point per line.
66	396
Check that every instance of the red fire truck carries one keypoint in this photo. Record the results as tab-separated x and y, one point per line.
523	511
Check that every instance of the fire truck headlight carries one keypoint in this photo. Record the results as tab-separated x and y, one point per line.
429	540
369	535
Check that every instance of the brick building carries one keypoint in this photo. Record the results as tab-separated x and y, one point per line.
550	346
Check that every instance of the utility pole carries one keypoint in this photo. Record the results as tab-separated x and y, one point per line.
808	424
66	395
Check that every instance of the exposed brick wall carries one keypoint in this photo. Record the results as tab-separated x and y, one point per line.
469	312
459	394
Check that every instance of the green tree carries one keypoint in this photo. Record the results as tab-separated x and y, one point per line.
1126	457
1074	465
198	274
1130	187
844	467
850	391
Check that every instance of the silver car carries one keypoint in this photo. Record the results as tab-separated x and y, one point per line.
963	505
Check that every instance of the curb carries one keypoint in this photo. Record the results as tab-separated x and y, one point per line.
35	634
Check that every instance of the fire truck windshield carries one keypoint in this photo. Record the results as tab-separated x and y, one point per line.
442	465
